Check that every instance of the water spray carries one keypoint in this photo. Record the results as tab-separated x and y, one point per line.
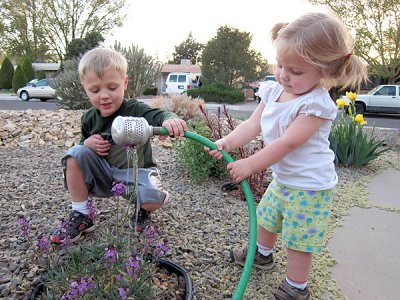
136	131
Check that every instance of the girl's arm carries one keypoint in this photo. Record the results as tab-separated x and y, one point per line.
241	135
296	135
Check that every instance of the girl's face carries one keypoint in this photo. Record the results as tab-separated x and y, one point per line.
107	93
297	76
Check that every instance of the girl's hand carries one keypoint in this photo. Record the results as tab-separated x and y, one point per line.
239	170
98	144
221	144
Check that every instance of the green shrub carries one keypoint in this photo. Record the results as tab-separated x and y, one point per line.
6	74
69	88
41	75
217	92
351	144
197	162
27	69
19	79
150	90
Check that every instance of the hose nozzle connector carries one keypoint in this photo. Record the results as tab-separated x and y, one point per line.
132	131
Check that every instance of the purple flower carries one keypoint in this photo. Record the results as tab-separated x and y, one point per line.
123	293
111	255
44	244
118	188
23	223
133	267
79	288
300	216
161	248
150	234
91	205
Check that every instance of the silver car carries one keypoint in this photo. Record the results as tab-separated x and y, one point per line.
40	90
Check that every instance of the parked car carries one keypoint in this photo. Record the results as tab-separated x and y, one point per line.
32	82
41	90
381	99
268	81
179	82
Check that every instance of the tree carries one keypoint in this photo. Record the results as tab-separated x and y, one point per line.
27	69
78	47
18	79
6	74
47	26
377	27
143	70
41	75
188	49
227	58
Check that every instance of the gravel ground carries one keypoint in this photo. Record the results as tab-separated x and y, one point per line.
201	222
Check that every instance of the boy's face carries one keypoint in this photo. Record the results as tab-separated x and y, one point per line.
107	93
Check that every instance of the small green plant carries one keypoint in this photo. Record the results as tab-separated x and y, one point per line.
217	92
352	145
27	69
195	160
41	75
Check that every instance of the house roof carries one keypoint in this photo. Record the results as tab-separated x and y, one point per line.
180	68
46	66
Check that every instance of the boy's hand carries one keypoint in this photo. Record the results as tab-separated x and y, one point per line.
98	144
175	127
221	144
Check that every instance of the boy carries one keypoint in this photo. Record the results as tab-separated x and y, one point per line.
92	166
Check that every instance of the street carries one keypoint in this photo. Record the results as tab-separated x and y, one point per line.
242	110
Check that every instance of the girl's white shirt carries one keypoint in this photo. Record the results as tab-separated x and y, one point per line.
311	166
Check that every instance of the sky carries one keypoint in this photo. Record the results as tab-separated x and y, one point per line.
158	26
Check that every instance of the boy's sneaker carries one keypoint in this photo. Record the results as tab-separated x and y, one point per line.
78	224
143	220
238	255
288	292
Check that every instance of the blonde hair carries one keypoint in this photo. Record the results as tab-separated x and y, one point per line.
99	59
323	41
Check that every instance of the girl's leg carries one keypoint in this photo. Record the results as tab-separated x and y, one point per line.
298	265
266	238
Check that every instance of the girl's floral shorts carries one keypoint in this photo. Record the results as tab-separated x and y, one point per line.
301	216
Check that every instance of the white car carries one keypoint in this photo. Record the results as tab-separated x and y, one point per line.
268	81
41	90
381	99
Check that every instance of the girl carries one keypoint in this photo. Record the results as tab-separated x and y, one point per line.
294	116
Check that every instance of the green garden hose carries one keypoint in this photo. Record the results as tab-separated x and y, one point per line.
251	250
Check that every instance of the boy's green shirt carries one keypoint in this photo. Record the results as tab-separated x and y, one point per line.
93	123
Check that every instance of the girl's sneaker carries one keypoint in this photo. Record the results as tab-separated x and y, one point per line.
238	255
288	292
78	224
143	220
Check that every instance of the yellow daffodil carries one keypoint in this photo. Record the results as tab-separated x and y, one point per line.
341	103
351	96
360	119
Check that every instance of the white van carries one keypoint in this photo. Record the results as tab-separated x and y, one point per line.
178	82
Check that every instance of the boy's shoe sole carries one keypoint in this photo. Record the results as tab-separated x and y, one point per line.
238	256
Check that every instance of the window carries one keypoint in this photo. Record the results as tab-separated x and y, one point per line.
182	78
41	83
172	78
386	91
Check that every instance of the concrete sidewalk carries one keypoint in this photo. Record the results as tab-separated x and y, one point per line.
367	247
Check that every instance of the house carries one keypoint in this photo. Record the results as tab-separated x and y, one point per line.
184	66
49	68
